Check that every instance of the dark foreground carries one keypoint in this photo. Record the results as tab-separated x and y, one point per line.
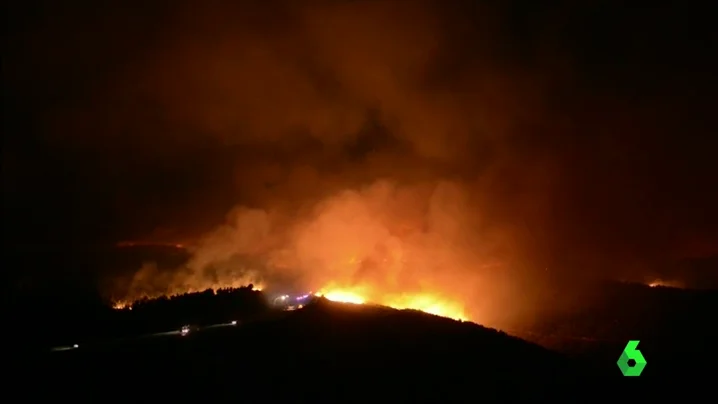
327	353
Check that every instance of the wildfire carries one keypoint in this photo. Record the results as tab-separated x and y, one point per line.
342	296
127	303
429	304
425	302
665	284
121	305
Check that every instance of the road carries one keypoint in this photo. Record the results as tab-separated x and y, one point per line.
173	333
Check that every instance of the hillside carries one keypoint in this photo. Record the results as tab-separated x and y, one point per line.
326	352
333	352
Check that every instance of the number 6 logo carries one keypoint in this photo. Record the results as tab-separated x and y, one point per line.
631	353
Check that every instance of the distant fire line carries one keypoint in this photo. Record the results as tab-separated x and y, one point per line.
129	244
426	303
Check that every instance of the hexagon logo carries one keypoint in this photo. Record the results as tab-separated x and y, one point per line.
631	353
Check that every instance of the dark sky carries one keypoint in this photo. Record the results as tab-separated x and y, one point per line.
589	128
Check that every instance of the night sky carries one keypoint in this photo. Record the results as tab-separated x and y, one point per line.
582	132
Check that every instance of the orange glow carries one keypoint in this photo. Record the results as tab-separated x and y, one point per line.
126	304
121	305
665	284
426	302
342	296
429	304
401	247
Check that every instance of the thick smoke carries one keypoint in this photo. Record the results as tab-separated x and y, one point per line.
384	239
372	145
454	146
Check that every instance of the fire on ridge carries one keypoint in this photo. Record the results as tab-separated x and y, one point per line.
425	302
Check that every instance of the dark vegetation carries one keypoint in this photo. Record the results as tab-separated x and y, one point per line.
69	320
627	311
337	353
325	352
678	330
329	352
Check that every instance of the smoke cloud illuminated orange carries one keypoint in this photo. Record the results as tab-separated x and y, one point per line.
404	247
410	153
357	164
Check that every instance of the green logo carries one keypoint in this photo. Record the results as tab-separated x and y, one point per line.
631	353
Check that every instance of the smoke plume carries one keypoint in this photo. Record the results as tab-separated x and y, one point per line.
459	148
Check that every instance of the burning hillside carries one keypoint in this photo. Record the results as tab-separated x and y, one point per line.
403	247
431	154
427	303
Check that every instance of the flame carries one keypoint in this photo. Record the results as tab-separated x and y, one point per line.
426	302
665	284
429	304
121	305
126	304
342	296
387	245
